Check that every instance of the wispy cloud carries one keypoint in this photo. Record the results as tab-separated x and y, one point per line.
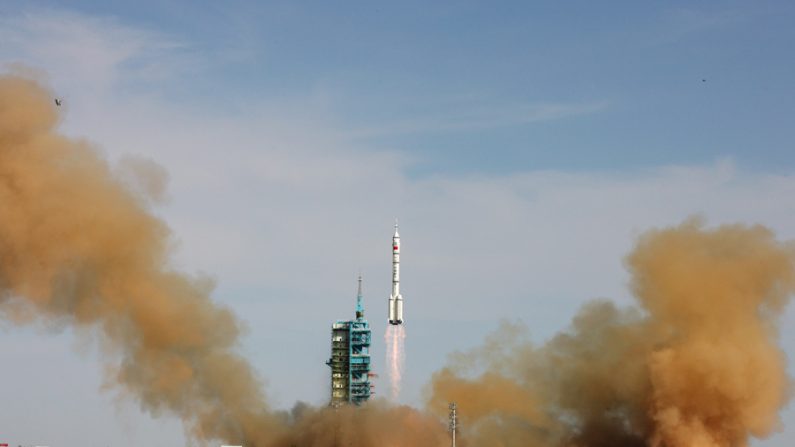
94	52
474	117
87	54
680	23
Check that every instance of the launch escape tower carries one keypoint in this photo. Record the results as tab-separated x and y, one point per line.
350	358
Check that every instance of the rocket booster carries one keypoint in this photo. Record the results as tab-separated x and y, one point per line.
395	299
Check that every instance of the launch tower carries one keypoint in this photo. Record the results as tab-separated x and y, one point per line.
350	358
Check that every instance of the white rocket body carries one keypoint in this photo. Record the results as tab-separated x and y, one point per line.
395	299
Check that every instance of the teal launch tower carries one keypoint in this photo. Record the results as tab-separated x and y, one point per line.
350	358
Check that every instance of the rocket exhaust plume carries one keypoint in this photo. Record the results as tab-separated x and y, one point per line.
395	357
696	365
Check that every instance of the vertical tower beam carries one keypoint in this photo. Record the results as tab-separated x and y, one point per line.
453	422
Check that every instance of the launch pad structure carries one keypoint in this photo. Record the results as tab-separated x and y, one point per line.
350	358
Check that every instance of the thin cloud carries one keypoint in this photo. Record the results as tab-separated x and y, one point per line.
480	117
92	52
681	23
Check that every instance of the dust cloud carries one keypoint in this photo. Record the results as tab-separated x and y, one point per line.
695	364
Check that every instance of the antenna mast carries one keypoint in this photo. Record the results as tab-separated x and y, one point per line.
453	422
359	303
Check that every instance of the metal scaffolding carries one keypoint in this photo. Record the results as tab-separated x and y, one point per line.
350	358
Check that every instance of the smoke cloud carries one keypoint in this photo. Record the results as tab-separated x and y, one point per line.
78	245
695	365
376	424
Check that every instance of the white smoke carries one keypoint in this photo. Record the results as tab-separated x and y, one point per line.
395	357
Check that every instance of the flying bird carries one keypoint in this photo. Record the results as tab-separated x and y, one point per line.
58	102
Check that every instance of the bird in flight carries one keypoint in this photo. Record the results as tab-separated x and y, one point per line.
58	102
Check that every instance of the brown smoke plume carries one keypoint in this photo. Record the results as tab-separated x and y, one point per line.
697	366
78	245
377	424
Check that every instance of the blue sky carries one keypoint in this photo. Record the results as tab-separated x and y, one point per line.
469	87
544	136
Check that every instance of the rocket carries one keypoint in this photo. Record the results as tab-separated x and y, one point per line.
395	299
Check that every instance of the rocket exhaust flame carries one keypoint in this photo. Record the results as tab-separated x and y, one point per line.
696	364
395	357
